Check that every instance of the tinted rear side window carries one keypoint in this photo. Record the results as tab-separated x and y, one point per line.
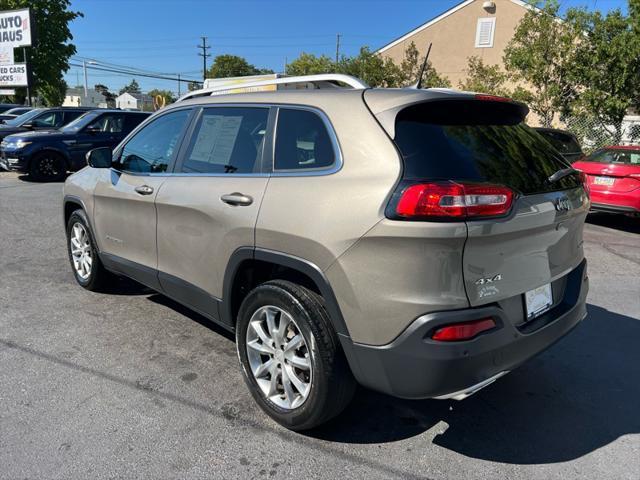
302	141
562	142
477	141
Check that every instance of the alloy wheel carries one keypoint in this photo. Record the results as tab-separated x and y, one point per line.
81	252
279	357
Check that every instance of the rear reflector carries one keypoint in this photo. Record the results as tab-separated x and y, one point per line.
492	98
454	200
463	331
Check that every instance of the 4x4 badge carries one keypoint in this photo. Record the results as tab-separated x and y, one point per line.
486	280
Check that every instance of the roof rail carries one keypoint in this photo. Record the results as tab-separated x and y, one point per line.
323	80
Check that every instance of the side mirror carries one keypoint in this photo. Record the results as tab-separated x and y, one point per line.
92	130
99	157
28	125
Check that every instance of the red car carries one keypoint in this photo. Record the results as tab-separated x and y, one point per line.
613	177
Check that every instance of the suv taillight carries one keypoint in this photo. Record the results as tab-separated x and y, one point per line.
452	200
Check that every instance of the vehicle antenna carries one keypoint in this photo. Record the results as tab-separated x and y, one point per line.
418	84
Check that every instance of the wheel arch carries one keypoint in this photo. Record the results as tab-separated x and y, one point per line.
248	264
48	148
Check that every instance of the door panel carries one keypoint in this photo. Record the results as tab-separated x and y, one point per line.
198	232
125	220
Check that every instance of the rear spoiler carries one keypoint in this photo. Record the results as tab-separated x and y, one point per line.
386	104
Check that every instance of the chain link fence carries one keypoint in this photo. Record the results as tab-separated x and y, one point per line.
593	134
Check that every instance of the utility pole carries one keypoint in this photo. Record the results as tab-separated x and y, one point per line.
84	69
24	53
338	47
204	56
179	86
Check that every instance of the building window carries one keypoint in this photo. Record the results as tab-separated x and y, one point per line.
485	32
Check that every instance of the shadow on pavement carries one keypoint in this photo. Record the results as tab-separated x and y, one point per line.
618	222
578	397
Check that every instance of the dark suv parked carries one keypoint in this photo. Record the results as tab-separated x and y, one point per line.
41	119
47	155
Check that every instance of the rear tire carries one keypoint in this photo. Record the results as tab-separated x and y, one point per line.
83	255
47	167
300	376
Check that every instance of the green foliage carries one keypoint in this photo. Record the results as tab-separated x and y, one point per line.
542	54
484	78
133	87
309	64
191	86
48	58
374	69
410	69
607	66
233	66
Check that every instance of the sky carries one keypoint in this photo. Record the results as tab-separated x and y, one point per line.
161	35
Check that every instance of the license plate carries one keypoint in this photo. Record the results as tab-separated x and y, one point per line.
603	181
538	300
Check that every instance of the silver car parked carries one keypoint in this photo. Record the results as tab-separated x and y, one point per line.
421	243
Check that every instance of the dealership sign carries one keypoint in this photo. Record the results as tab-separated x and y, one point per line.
15	28
13	75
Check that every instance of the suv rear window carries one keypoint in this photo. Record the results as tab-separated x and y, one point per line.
477	141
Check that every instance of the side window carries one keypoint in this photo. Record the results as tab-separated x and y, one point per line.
108	123
48	119
302	141
131	121
227	140
70	115
150	150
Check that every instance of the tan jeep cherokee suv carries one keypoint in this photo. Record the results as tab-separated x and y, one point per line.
421	243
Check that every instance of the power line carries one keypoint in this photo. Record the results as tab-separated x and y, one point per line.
204	56
139	74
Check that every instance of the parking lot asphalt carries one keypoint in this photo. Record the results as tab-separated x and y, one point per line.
132	385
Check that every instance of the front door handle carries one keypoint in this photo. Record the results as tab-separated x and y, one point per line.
237	199
144	190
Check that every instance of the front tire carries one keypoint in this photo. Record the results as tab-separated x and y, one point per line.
47	167
83	255
291	357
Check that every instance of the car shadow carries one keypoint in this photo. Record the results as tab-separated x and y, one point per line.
579	396
27	178
619	222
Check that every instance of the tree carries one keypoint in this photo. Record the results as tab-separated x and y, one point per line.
48	58
109	97
607	67
234	66
484	78
310	64
542	54
191	86
166	94
133	87
410	69
372	68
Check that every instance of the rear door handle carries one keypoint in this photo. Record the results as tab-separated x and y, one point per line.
144	190
237	199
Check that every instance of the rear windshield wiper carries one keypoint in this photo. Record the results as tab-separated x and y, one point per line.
560	174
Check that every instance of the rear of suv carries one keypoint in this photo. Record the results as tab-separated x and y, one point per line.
422	243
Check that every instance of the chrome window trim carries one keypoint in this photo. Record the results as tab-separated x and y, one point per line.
299	172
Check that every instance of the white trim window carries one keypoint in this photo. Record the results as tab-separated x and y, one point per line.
485	31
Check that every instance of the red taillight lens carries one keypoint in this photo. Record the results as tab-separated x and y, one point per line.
454	200
463	331
492	98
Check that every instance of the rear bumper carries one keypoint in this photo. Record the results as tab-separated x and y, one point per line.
616	202
605	207
414	366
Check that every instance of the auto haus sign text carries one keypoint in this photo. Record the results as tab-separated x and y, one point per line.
15	28
13	75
